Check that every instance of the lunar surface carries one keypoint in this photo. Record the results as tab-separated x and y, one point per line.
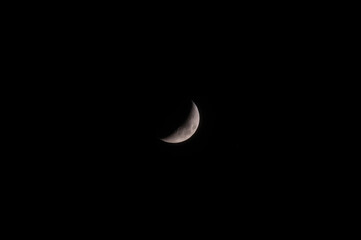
187	129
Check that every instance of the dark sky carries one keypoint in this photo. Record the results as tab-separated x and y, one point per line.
107	92
100	84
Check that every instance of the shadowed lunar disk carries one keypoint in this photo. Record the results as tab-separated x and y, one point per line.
187	129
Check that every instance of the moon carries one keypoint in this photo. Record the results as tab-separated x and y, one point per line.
187	129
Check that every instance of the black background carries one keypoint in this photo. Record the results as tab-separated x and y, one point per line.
102	86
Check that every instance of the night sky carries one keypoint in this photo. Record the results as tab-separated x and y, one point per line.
107	94
96	87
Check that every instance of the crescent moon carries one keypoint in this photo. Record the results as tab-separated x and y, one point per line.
187	129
